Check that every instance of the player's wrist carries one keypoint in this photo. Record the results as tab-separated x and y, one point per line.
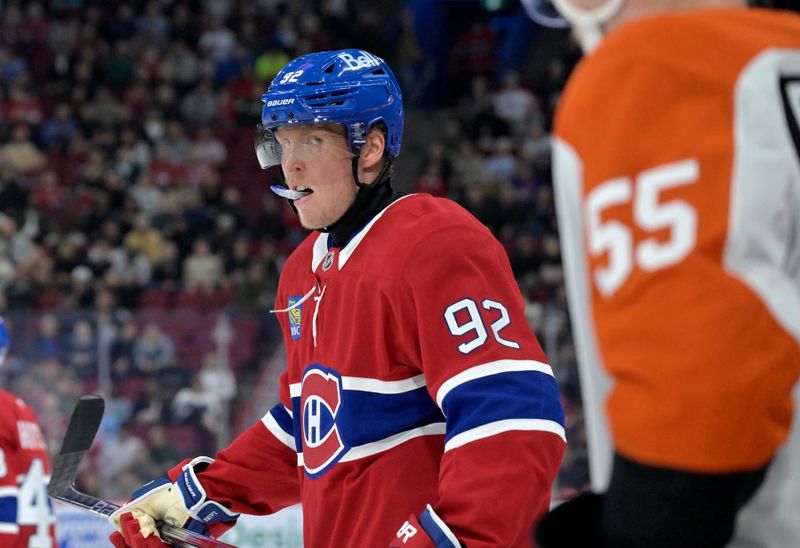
195	498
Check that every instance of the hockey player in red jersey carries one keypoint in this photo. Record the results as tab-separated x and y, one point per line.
677	177
417	408
26	513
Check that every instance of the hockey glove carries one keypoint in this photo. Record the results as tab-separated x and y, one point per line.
182	503
131	536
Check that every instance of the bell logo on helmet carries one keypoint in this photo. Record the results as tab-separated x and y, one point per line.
279	102
364	60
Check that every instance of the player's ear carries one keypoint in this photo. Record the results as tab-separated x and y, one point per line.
373	150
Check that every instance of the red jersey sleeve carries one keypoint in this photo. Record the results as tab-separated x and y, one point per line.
485	369
257	473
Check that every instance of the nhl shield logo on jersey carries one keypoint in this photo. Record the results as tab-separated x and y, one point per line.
320	404
295	313
328	261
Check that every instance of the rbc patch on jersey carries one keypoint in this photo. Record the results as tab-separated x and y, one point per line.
294	316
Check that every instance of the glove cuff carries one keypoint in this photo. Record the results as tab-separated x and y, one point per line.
195	498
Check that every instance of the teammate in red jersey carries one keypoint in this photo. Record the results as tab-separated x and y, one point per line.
26	513
417	408
677	174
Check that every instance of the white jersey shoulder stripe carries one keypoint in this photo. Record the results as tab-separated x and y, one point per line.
380	446
508	425
366	384
271	424
320	250
488	369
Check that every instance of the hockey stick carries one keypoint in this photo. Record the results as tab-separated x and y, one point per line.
83	426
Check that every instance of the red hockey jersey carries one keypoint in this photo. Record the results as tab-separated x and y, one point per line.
26	513
413	379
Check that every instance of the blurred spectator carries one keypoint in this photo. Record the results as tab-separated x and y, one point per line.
467	166
81	290
535	148
180	66
153	351
202	269
168	271
163	454
23	107
217	379
199	106
194	405
254	289
148	198
59	130
119	68
207	149
122	351
20	153
151	407
514	104
153	27
174	148
81	351
431	180
217	41
48	338
123	452
49	195
500	166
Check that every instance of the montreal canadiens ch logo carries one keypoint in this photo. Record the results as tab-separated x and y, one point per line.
321	403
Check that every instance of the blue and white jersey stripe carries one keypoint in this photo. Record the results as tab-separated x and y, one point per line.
377	415
280	424
479	402
8	510
500	396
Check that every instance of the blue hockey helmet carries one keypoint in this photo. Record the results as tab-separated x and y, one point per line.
349	87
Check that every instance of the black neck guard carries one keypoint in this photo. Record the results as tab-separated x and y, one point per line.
370	200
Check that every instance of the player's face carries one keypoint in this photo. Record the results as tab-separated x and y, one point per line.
317	158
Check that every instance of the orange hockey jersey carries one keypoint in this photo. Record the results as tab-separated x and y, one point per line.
677	167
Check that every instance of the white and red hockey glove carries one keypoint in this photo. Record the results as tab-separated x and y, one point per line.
177	498
429	531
